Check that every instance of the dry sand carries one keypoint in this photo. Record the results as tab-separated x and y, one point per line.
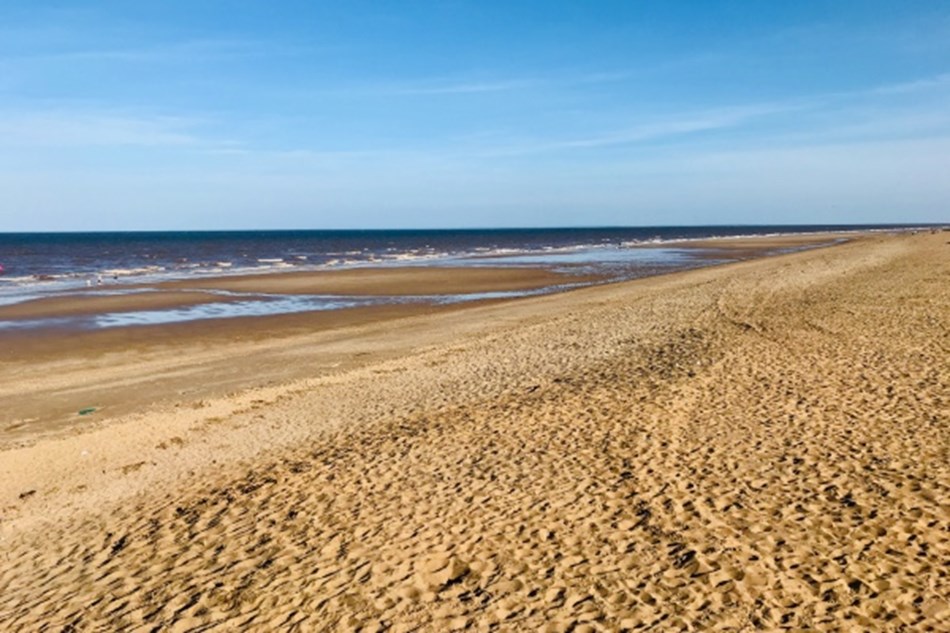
764	445
60	371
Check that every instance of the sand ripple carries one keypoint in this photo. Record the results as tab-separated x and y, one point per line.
762	447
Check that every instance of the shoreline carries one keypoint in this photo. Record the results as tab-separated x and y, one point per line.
749	418
363	281
394	282
130	281
166	361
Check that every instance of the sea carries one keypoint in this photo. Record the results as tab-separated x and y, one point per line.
36	265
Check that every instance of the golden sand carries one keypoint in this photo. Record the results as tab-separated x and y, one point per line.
118	371
764	445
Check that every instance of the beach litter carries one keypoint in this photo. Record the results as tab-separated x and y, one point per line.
87	410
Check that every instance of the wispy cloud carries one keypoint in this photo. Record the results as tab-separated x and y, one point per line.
908	87
425	87
648	70
649	130
832	117
837	114
685	124
191	51
563	80
65	129
464	88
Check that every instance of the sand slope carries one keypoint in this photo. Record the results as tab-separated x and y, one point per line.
760	446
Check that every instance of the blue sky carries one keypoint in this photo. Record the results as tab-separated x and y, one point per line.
231	114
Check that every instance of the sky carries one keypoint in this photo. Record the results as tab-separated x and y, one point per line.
231	114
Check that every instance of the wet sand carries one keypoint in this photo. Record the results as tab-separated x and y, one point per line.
80	303
124	370
362	282
761	445
769	242
390	281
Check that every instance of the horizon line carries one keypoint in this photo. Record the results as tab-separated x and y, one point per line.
486	228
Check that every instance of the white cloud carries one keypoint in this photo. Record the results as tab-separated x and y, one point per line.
425	87
68	129
680	124
909	87
833	115
181	51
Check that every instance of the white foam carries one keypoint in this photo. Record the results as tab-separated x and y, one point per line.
126	272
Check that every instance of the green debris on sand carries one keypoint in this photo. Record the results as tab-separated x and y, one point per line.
87	411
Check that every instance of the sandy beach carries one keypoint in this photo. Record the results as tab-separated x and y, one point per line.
68	370
762	445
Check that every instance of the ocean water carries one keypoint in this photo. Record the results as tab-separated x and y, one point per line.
49	264
32	258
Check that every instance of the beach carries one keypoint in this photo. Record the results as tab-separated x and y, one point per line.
757	445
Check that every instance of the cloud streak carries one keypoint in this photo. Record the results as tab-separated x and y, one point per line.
433	87
190	51
64	129
679	125
852	113
909	87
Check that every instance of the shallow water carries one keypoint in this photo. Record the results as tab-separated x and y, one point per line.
73	260
99	264
253	305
